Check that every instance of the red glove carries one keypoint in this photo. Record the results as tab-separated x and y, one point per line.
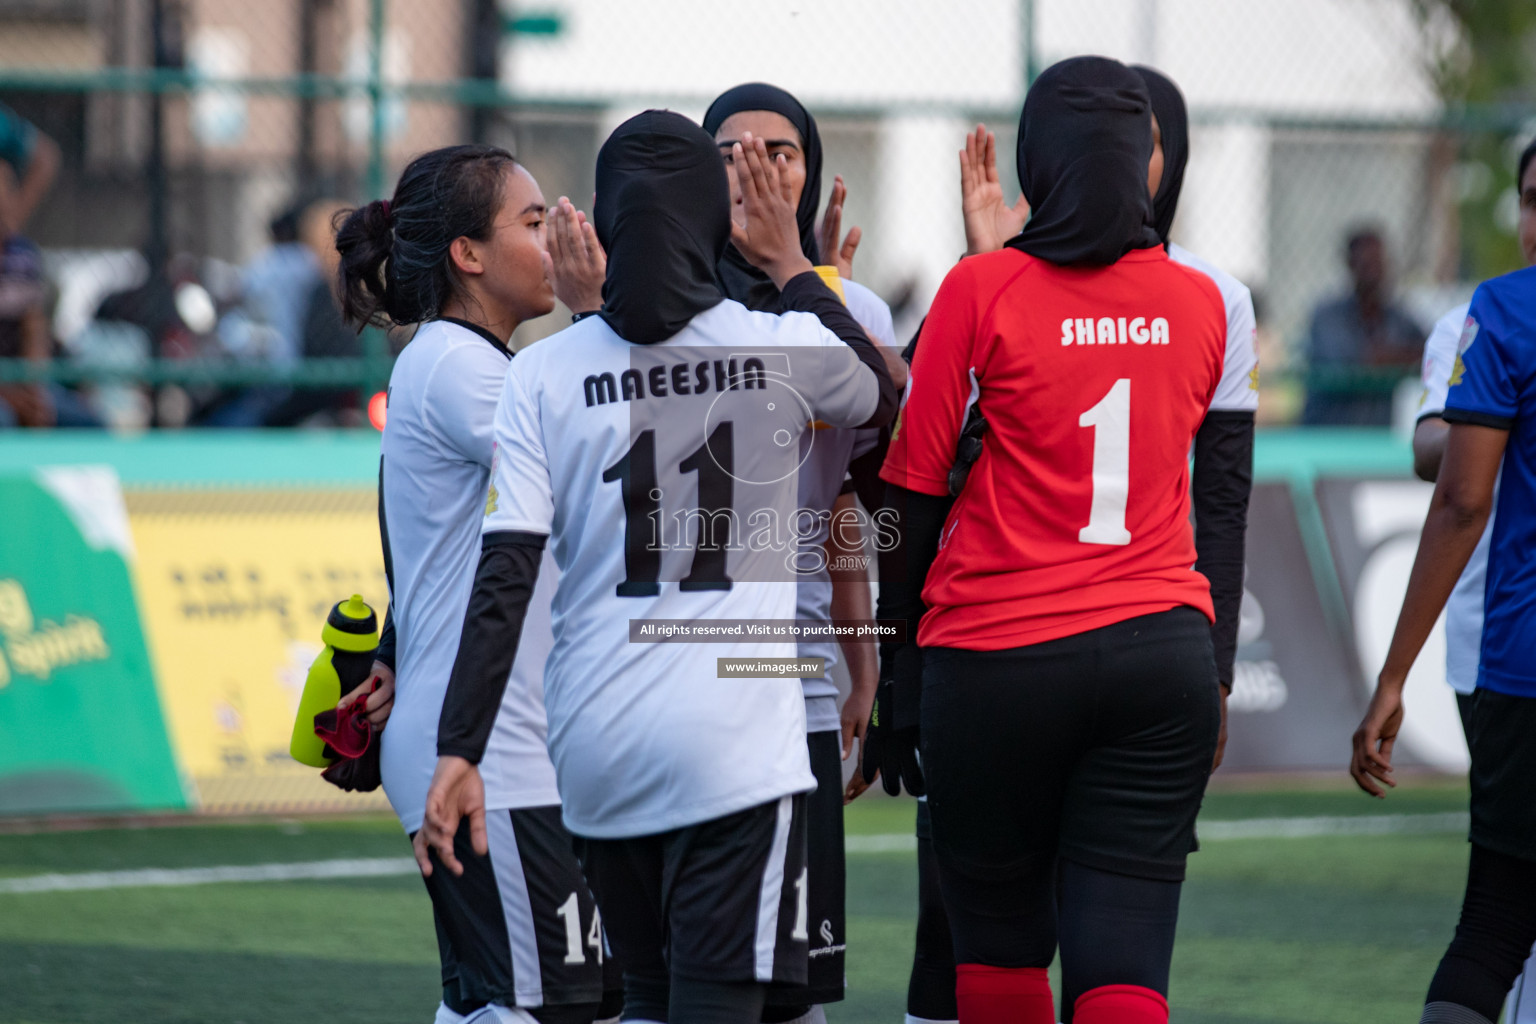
349	738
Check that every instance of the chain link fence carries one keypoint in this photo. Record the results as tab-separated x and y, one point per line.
178	275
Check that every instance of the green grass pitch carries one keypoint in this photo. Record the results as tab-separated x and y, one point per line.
1329	930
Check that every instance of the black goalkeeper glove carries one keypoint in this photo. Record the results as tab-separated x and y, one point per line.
967	449
890	743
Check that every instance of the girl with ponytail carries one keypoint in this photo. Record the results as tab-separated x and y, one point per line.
462	248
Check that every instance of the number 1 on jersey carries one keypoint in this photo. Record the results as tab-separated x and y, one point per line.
1110	420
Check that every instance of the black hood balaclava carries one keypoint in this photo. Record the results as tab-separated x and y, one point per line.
740	279
1085	137
1173	121
663	214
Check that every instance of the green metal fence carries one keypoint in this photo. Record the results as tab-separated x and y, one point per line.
326	106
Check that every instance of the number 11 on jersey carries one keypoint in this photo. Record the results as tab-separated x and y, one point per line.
1110	421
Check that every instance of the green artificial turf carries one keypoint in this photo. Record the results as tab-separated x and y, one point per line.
1329	930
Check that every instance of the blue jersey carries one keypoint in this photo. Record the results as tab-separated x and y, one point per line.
1493	384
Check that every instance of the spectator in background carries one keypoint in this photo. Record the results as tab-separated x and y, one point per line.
1363	330
324	334
23	332
268	327
29	161
278	283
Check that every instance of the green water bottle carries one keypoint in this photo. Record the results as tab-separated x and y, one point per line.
351	635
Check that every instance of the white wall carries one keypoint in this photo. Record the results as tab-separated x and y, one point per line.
934	64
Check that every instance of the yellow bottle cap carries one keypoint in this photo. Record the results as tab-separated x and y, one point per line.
355	608
351	626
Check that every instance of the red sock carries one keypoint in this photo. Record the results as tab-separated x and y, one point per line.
1120	1004
1003	995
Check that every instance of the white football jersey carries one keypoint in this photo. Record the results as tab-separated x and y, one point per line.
437	449
822	473
1239	387
1464	609
624	455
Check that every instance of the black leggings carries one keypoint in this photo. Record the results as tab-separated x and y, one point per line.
655	995
931	988
1068	775
1493	938
1113	930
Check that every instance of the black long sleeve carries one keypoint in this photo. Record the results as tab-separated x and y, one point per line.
864	471
386	651
385	655
493	624
903	570
1223	481
805	293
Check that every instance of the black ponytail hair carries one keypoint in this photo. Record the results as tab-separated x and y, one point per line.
1526	156
395	267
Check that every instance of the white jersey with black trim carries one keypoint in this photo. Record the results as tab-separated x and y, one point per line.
620	453
1464	609
1239	387
437	453
821	480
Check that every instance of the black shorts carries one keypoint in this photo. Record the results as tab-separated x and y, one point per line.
519	927
1095	748
1501	734
826	880
723	900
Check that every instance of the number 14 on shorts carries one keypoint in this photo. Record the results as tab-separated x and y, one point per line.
570	913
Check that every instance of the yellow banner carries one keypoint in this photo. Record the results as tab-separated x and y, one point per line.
234	586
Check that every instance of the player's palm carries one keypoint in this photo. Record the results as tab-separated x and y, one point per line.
575	262
838	255
769	237
989	220
1371	763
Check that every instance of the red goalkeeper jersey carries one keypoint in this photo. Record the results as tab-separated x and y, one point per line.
1093	382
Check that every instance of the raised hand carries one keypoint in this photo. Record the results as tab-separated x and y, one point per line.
839	256
989	220
769	238
575	262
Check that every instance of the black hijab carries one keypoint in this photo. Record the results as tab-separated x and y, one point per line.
740	279
1173	122
663	214
1085	137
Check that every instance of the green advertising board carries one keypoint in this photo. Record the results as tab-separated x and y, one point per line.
119	615
81	728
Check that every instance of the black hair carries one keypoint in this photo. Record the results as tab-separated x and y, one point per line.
1526	156
395	266
1360	236
284	227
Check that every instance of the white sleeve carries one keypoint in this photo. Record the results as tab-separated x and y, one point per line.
872	312
828	374
1439	358
460	397
520	496
1238	390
